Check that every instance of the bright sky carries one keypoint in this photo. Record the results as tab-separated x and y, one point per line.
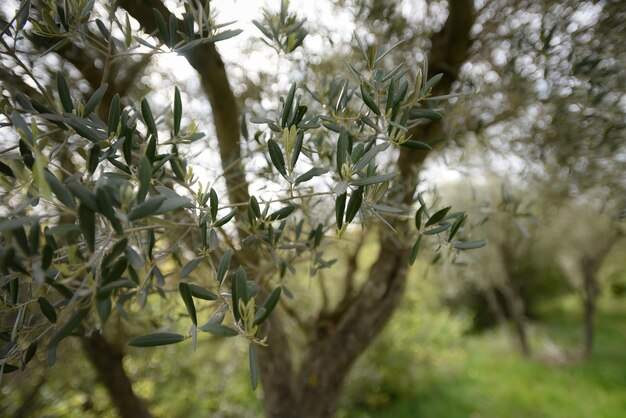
245	11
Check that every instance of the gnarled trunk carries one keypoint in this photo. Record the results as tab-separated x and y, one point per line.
334	344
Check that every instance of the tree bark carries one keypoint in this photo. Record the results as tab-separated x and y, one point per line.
107	360
336	342
514	301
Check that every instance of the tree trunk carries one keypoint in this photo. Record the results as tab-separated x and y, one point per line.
494	305
514	301
590	294
334	344
107	360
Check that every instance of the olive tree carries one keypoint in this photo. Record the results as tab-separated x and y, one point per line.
102	211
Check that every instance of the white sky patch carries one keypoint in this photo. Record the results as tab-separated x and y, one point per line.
243	12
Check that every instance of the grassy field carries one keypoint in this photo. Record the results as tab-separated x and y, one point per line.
492	381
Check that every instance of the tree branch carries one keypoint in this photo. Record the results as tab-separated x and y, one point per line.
206	60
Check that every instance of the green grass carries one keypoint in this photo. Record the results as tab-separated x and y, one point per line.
493	381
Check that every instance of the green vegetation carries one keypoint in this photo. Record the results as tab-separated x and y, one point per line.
488	379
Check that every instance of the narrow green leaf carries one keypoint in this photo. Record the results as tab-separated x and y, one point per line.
263	29
19	236
340	207
150	241
288	105
361	46
254	206
219	330
23	130
444	226
281	213
60	191
201	293
260	120
7	368
156	339
276	156
22	17
369	101
400	94
87	221
227	34
225	219
147	208
115	112
103	29
418	217
93	159
269	305
224	265
103	306
163	32
94	100
420	113
189	267
456	225
105	207
314	172
239	291
148	118
369	156
243	127
357	152
415	250
431	83
106	290
47	253
342	150
213	201
145	178
33	238
365	181
173	30
254	366
6	170
64	93
82	128
297	149
17	222
437	216
469	245
354	204
30	352
117	249
178	111
174	203
47	309
391	90
185	293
